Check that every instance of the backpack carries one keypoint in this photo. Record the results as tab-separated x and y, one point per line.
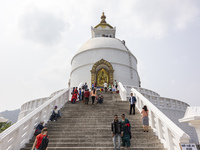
44	143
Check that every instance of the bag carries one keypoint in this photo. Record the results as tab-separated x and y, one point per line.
37	132
44	143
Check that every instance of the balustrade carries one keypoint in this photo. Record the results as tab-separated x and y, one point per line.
168	133
19	133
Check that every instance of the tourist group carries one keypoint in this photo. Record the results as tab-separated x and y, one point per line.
120	128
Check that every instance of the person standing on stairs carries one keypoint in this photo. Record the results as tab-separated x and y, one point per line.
117	132
145	118
79	94
87	95
132	101
83	91
126	127
105	86
93	94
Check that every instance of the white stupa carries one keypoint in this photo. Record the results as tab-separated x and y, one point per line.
104	58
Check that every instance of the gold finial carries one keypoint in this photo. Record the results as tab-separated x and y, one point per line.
103	18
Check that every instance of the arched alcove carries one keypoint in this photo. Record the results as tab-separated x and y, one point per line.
102	71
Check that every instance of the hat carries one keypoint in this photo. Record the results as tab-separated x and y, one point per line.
56	106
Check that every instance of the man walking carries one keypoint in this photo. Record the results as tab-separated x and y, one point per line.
126	127
117	133
105	86
132	101
87	95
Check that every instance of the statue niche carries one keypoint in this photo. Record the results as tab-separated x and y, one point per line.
102	77
102	71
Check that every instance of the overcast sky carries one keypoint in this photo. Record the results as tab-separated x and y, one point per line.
38	38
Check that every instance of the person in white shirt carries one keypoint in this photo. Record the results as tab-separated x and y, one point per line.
55	114
105	86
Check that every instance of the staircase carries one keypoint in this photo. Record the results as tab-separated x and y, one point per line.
89	128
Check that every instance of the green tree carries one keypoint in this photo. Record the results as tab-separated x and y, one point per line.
4	126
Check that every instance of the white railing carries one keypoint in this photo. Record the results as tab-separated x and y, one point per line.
18	134
168	133
27	107
122	91
160	102
167	103
141	90
30	106
56	92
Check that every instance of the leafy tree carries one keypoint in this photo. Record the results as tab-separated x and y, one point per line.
4	126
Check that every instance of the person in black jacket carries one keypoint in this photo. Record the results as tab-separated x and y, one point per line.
117	132
132	101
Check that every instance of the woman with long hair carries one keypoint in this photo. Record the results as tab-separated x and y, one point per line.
93	94
145	118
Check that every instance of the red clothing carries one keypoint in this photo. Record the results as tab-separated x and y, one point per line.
75	93
87	94
73	97
39	140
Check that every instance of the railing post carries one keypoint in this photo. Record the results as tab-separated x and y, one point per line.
18	137
31	127
159	128
4	143
169	142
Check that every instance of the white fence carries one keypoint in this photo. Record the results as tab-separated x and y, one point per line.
122	91
30	106
18	134
168	133
160	102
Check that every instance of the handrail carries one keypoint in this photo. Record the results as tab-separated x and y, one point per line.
29	106
141	90
168	132
18	134
122	91
157	100
56	92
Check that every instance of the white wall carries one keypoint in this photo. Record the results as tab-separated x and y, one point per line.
82	65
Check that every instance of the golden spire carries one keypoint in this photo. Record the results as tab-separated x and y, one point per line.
103	18
103	23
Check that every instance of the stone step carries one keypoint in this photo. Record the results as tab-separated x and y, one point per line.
87	122
92	128
97	136
102	144
53	140
96	144
98	148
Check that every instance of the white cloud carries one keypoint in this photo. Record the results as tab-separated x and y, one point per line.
155	18
42	26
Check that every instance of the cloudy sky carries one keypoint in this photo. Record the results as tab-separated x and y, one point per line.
38	38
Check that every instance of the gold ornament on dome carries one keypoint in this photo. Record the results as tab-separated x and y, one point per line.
103	23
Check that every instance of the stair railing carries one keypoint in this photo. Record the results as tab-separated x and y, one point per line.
168	132
19	133
122	91
30	106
